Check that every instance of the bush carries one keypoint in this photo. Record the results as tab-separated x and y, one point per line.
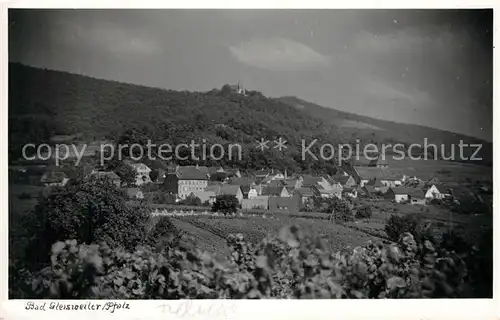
225	204
89	211
342	210
191	200
290	265
364	212
411	223
164	233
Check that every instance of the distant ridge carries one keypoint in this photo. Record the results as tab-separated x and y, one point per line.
43	103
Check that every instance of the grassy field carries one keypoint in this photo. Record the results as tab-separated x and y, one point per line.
441	219
338	237
449	172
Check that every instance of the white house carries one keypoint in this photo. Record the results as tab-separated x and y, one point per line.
253	193
141	173
437	191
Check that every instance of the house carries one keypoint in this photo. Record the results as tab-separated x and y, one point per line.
185	180
350	192
437	191
190	179
410	195
346	180
307	193
324	193
271	174
389	178
54	179
254	192
275	191
215	169
285	204
141	173
205	196
218	176
233	190
257	203
378	186
134	193
233	172
369	191
108	175
314	181
336	189
291	183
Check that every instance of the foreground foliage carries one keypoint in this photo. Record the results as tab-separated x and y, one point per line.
289	265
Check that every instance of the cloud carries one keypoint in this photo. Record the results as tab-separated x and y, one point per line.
110	38
278	54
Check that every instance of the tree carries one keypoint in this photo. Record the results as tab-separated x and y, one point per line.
192	200
126	173
225	204
90	211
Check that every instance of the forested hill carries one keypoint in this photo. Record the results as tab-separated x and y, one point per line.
366	128
43	103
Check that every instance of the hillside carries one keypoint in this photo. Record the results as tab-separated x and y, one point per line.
381	131
43	103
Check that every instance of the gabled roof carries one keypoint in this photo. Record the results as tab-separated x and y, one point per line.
204	195
229	189
191	173
290	182
245	189
375	183
413	192
309	180
441	188
369	189
340	178
325	191
105	174
272	191
306	191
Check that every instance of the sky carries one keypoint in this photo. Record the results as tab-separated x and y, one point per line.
427	67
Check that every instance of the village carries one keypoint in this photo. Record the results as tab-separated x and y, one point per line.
268	189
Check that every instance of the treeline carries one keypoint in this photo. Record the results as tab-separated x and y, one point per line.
43	103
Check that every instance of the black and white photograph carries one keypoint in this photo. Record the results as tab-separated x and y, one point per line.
170	154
